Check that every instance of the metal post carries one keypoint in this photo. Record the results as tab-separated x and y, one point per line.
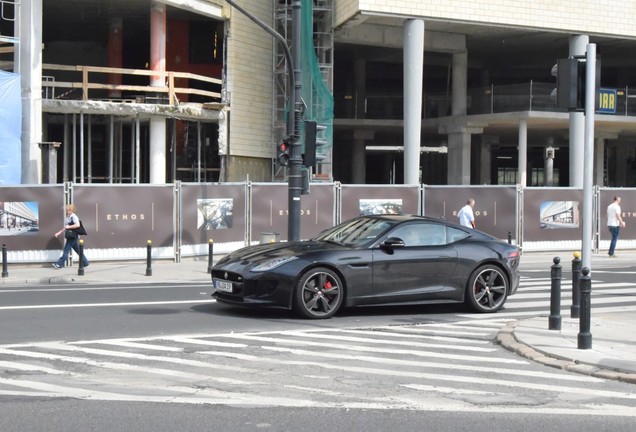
588	165
554	321
5	273
509	238
575	309
585	337
148	258
80	269
210	255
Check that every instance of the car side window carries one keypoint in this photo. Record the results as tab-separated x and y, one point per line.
421	234
454	234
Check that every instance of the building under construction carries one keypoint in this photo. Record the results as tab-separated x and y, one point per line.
452	92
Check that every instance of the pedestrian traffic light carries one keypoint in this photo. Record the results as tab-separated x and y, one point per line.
282	152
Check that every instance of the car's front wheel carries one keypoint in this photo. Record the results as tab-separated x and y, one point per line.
487	289
318	294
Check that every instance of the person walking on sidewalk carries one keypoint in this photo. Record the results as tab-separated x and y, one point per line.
614	223
71	236
466	215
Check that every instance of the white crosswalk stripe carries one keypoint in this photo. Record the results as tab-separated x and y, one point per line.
433	366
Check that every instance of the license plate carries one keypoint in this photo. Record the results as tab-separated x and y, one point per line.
223	286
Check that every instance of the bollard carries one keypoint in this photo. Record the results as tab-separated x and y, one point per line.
554	321
148	258
509	238
210	255
5	272
80	269
585	285
575	309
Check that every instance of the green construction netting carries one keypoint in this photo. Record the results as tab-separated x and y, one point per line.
315	92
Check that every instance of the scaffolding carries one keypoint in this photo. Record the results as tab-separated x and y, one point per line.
316	71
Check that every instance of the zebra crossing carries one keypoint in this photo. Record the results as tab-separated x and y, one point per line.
440	366
533	298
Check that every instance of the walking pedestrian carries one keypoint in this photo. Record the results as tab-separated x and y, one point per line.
71	236
614	223
466	215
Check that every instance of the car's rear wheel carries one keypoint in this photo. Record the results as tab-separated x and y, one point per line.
318	294
487	289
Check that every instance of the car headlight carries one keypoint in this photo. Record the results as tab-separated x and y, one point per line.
273	263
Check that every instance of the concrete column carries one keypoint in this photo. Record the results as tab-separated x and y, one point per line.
360	84
523	152
157	42
599	159
459	158
29	66
359	169
115	53
157	63
485	159
548	169
358	161
577	122
460	83
413	76
359	154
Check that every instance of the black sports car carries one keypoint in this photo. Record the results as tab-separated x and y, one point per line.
370	261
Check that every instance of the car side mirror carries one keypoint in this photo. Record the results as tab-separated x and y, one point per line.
392	243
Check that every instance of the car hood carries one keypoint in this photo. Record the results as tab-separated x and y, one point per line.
259	253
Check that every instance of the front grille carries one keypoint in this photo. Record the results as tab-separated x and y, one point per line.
228	276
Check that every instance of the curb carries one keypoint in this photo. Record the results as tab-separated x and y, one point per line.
507	339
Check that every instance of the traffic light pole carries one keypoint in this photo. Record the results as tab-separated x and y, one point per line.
295	181
588	153
292	59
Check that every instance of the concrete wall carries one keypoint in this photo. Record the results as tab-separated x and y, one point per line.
606	17
249	81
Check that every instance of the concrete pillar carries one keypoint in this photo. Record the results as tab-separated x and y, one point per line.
413	75
29	66
115	53
548	169
523	152
622	155
49	161
599	159
485	159
359	153
360	84
459	158
460	83
577	122
157	63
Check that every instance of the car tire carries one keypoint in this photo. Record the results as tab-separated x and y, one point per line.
487	289
318	294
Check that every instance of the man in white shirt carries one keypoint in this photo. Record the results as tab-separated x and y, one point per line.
614	223
465	214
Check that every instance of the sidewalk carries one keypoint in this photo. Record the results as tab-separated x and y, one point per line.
612	356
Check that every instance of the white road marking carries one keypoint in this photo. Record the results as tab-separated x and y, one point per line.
89	305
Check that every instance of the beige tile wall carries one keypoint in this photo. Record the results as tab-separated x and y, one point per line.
249	81
601	17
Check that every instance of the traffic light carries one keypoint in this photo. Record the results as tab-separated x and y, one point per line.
313	131
571	78
309	157
570	83
282	153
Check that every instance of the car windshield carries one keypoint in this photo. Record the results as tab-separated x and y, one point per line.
356	232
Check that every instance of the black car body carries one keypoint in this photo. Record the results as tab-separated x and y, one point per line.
370	261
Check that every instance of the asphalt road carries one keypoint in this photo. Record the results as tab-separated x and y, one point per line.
166	358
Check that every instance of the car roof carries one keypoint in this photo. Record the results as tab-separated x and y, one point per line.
406	218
